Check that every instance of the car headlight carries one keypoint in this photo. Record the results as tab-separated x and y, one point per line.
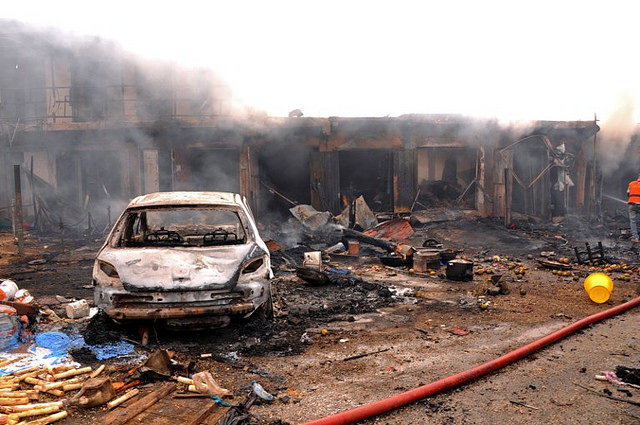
255	268
108	269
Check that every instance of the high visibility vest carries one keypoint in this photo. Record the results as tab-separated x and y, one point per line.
634	192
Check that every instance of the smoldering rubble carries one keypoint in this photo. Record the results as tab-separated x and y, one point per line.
391	252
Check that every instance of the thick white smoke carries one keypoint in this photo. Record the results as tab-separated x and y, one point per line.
616	132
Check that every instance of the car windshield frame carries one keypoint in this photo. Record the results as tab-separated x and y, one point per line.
167	238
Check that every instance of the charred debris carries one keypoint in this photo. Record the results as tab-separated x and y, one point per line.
362	217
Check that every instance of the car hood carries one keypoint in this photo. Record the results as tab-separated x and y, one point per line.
179	269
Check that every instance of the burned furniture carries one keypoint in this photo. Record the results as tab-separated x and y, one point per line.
589	256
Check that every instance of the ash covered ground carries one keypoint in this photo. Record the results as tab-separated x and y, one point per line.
423	327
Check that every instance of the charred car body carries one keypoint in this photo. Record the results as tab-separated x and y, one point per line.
184	258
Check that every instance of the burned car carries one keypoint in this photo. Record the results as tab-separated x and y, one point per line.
186	259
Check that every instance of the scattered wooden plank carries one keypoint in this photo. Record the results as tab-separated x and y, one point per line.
118	401
12	401
552	264
24	408
35	412
72	372
122	416
204	414
215	417
48	419
97	372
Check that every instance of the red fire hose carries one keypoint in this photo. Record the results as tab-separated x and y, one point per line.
385	405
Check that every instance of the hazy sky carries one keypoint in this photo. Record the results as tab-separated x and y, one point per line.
505	59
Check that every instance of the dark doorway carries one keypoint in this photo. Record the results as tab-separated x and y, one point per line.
100	175
367	173
284	167
67	176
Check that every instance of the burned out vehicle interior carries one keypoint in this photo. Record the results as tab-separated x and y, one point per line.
182	226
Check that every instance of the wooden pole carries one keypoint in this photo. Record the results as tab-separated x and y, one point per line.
480	167
33	196
13	218
508	193
18	192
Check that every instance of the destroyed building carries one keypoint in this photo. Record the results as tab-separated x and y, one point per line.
92	127
475	248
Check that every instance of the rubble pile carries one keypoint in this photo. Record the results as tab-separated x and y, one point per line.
332	275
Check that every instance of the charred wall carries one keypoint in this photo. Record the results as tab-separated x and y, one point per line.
103	127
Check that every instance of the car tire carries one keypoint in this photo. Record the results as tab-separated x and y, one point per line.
264	313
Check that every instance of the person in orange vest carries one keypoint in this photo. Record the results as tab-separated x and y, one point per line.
634	208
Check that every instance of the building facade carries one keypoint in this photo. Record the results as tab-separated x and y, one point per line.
92	126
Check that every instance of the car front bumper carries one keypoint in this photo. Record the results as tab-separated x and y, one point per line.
123	305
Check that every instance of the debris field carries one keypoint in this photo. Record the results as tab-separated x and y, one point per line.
355	330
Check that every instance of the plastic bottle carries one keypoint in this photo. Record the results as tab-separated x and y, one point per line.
260	392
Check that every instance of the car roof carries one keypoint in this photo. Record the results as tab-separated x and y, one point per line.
186	198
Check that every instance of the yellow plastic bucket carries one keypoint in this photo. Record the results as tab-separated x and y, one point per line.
599	287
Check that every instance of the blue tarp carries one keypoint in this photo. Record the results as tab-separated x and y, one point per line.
50	348
59	343
108	351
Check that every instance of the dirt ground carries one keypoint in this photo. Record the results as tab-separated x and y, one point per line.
428	328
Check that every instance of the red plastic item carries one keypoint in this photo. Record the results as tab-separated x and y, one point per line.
385	405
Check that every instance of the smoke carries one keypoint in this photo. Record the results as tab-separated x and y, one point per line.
115	106
616	134
196	127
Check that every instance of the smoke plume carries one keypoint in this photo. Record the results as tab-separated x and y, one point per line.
616	134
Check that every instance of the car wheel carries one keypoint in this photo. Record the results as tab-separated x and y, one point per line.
265	311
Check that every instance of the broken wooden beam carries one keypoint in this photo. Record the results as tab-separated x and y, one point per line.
389	246
48	419
122	416
97	372
72	372
118	401
205	413
183	380
25	407
12	401
36	412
